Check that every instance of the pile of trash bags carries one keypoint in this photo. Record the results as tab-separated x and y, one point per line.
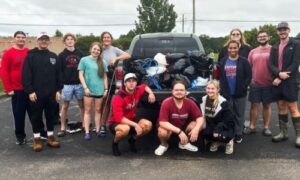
159	72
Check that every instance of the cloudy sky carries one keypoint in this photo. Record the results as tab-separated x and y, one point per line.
213	17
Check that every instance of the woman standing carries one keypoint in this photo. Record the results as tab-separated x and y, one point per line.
219	118
111	55
235	76
92	75
244	48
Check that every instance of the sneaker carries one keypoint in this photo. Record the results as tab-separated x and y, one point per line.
248	130
62	133
115	149
132	147
238	139
87	136
229	147
188	147
214	146
21	141
267	132
37	144
161	150
102	132
52	142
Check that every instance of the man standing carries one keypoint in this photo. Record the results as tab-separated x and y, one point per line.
69	60
284	63
123	117
41	80
11	73
261	84
181	116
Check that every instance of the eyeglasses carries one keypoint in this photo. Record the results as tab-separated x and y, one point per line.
235	34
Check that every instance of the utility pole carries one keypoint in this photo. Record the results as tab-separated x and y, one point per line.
193	16
182	22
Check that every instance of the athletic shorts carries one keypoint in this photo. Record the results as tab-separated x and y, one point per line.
261	94
72	90
286	91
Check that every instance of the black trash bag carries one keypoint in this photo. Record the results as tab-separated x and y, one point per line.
166	80
173	57
137	67
183	78
202	62
179	66
190	72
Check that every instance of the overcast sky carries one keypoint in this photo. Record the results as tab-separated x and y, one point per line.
118	16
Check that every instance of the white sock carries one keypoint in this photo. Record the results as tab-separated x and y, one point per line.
36	135
49	133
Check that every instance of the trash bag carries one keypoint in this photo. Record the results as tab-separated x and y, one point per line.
173	57
183	78
179	66
190	72
136	67
166	80
154	70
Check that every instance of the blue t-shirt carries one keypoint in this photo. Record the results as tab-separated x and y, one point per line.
92	79
230	70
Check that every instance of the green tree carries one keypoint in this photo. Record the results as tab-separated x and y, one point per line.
155	16
251	34
212	44
58	33
84	43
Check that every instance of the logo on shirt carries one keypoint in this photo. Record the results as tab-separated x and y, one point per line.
179	116
52	60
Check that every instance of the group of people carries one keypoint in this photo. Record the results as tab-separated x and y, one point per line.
37	79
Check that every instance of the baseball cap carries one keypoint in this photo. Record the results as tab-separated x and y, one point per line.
130	76
283	24
42	34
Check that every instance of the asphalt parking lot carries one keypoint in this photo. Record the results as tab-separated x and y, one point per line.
256	158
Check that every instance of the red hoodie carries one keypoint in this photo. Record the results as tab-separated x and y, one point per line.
11	69
125	104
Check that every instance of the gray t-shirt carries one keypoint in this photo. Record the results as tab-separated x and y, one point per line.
111	52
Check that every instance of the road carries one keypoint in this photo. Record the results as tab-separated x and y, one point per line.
256	158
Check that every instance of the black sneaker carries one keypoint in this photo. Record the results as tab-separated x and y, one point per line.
132	147
238	139
248	130
102	132
115	149
21	141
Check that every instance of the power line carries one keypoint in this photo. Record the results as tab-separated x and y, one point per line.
74	25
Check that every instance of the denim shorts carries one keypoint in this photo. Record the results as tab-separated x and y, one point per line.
72	90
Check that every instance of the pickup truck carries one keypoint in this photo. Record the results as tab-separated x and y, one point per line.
148	45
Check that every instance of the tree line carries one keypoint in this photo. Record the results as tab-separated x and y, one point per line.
159	16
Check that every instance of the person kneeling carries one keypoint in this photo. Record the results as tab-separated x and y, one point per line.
181	116
123	117
219	118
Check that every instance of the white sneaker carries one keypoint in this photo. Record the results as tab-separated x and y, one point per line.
161	150
188	147
214	146
229	147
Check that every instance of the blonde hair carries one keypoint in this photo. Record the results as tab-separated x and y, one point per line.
216	84
242	41
99	59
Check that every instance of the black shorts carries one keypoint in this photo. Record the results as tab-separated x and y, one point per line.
112	128
261	94
92	96
286	91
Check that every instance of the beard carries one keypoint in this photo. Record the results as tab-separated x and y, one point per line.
263	43
178	98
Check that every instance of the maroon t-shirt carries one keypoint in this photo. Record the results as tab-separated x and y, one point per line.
178	117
